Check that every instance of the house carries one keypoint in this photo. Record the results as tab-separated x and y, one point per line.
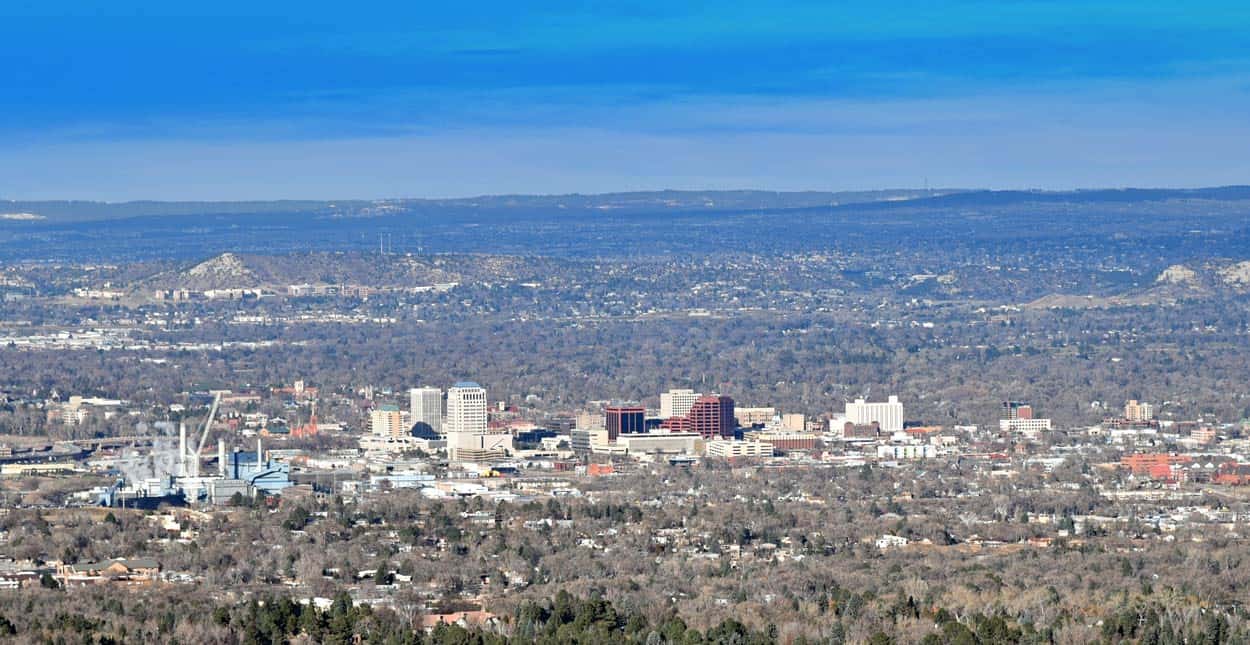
887	542
462	618
119	570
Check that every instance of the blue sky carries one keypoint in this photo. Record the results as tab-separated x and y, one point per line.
121	100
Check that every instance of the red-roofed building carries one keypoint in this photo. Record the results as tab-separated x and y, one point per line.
1157	465
1232	474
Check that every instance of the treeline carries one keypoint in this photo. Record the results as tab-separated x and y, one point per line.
561	620
61	618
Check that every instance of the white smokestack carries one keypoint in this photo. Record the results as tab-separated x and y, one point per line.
259	452
221	457
182	450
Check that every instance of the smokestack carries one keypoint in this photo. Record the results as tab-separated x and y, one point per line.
221	457
182	450
259	452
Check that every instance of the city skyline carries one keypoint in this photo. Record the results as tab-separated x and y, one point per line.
745	323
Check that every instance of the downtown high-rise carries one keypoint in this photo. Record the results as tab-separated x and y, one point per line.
426	406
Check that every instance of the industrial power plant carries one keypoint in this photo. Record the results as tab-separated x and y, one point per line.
148	481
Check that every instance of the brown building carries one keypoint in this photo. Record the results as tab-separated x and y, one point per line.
1017	410
861	431
784	441
713	416
676	424
624	419
1233	474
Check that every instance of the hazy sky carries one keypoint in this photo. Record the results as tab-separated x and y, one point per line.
115	100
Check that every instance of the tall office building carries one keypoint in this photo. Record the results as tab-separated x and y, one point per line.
677	403
465	423
1017	410
624	419
1138	412
466	409
1018	417
888	415
387	421
427	407
713	416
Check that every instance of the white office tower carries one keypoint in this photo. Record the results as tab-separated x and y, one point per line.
427	407
889	414
466	409
466	419
677	403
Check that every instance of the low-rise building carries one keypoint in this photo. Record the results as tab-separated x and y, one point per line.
119	570
784	441
727	449
887	542
907	451
667	443
1026	427
748	417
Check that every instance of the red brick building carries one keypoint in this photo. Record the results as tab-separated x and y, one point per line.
1156	465
713	416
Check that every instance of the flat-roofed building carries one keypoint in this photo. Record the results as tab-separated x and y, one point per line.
907	451
677	403
794	422
713	416
888	414
386	421
465	422
1017	410
783	441
624	419
1027	427
1138	412
660	443
748	417
426	406
729	449
479	447
851	431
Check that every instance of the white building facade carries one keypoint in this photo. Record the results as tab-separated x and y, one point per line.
426	406
677	403
907	451
1026	427
889	415
465	422
728	449
466	409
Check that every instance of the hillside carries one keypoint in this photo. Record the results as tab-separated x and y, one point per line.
232	271
1176	283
